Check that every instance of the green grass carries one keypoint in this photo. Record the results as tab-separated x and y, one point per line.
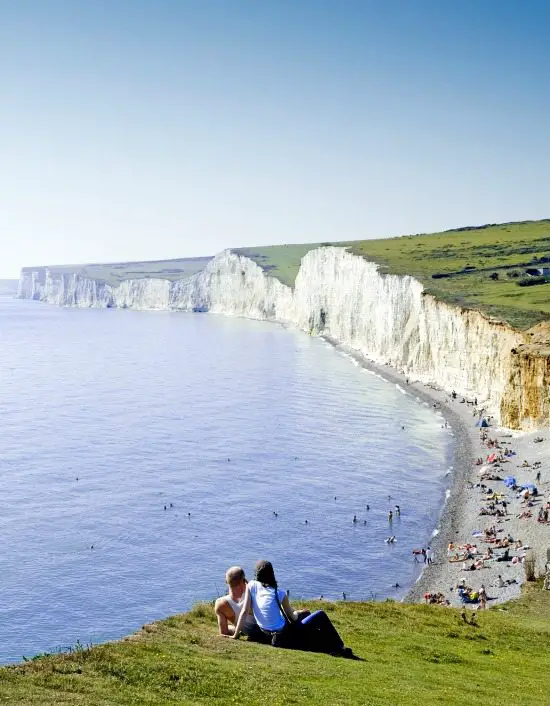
116	272
280	261
412	655
421	256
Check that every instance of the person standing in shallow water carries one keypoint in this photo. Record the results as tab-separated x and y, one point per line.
288	628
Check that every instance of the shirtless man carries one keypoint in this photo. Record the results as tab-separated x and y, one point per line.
228	608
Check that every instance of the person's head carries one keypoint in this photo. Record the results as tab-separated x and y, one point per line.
235	577
265	574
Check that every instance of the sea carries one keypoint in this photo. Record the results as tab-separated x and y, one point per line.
143	453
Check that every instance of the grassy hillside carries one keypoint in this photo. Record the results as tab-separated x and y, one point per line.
280	261
410	655
498	254
116	272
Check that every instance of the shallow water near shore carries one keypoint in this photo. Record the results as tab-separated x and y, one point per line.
108	416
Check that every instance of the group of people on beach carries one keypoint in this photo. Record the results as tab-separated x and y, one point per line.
261	610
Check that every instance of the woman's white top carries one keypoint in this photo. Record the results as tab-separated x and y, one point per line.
265	608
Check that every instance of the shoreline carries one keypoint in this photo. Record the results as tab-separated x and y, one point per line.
460	514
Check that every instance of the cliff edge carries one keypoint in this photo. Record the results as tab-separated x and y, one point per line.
387	318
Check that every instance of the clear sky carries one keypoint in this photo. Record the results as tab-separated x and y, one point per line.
145	129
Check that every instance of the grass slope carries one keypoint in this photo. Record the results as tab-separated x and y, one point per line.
115	272
493	248
412	655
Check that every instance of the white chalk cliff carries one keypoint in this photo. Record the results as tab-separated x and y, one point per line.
387	318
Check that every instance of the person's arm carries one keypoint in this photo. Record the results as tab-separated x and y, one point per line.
244	612
220	608
292	614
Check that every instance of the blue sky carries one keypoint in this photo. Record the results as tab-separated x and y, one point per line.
133	129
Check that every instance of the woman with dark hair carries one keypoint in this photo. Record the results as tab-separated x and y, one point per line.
287	627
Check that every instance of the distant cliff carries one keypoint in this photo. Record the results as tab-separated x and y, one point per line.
8	287
388	318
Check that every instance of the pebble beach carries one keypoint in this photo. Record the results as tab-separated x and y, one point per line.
461	522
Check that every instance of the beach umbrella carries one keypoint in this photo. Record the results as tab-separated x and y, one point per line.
529	486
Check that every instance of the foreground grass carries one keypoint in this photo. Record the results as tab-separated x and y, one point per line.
412	655
486	248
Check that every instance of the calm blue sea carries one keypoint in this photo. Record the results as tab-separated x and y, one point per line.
107	417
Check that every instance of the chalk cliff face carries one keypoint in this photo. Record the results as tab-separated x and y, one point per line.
387	318
525	403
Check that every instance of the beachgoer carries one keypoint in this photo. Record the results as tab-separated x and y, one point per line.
429	555
482	597
285	626
398	510
228	608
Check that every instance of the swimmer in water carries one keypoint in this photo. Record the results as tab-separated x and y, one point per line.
390	517
354	519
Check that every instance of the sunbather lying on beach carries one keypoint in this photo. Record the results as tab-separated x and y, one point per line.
436	598
502	583
505	557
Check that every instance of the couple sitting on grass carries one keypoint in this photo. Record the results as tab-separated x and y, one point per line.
261	611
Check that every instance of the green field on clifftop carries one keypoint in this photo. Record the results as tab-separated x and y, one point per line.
410	655
497	254
116	272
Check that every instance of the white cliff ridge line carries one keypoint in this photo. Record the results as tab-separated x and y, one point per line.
386	318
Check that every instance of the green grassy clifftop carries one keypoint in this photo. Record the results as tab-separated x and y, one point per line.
482	268
411	654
